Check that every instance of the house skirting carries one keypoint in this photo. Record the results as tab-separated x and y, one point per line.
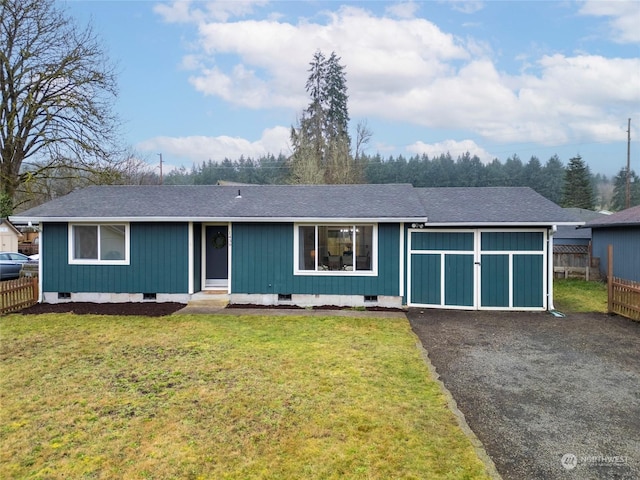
95	297
312	300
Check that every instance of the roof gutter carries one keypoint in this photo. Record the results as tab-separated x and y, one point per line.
20	219
611	225
498	224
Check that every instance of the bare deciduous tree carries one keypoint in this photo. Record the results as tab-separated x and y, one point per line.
57	91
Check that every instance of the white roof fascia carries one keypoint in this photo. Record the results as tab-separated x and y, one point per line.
499	224
222	219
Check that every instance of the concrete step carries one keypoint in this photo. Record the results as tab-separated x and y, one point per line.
209	298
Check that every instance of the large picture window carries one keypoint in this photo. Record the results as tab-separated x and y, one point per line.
93	244
335	248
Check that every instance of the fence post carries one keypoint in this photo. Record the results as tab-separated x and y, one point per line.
610	278
35	295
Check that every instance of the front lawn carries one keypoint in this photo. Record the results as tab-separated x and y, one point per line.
222	397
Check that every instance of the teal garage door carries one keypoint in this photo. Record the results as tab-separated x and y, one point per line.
441	269
477	269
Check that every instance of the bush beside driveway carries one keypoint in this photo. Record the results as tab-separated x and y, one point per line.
537	389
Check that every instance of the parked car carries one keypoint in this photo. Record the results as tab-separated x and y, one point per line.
11	264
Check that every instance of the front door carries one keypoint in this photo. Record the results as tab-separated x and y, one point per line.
217	256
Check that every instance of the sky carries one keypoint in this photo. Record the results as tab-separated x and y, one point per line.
213	79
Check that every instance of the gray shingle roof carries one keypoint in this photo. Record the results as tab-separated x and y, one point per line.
491	205
270	202
575	232
391	203
624	218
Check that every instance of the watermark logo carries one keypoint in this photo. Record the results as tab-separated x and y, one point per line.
569	461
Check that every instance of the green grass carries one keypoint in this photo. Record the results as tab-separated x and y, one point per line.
222	397
573	295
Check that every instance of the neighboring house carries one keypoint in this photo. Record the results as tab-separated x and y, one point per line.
572	247
9	236
622	231
575	235
378	245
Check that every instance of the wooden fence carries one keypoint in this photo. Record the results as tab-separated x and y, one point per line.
575	261
624	295
18	294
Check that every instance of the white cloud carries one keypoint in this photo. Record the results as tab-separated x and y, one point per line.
381	55
624	17
179	11
402	9
202	148
186	11
453	147
466	6
408	69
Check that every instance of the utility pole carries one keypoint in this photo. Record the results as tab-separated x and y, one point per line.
160	168
628	190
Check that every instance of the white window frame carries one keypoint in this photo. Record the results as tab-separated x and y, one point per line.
98	261
355	273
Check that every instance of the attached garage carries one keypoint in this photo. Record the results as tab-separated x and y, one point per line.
483	249
478	269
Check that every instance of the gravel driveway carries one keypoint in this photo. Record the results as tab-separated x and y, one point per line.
550	398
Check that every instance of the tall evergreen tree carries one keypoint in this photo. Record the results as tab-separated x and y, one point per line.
321	142
470	171
533	174
578	189
337	118
514	171
619	200
308	153
495	174
552	183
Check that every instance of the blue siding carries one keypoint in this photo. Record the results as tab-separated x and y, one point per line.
626	251
262	263
158	262
197	257
571	241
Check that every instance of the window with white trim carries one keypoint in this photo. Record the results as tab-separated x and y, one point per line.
335	248
99	243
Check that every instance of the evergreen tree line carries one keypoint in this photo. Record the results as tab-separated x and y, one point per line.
571	186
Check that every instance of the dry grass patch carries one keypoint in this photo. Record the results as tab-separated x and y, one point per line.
574	295
222	397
